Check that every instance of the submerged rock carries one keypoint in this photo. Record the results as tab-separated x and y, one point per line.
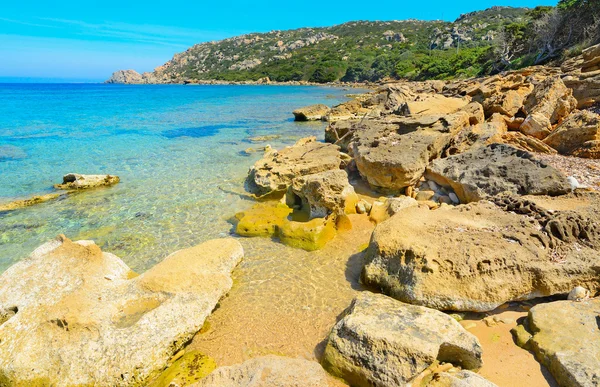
311	113
311	235
77	181
82	317
382	342
275	171
478	256
262	220
487	171
322	194
17	204
270	371
393	153
565	339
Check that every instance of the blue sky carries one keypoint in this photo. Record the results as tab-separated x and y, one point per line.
88	40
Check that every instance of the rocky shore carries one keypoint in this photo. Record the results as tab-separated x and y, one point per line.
484	193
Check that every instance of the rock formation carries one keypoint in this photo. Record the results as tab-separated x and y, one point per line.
382	342
275	171
311	113
82	317
479	256
76	181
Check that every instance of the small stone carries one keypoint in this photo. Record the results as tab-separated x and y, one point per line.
521	336
432	185
409	191
445	200
360	207
574	183
454	198
579	294
425	195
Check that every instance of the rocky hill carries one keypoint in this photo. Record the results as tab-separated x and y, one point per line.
354	51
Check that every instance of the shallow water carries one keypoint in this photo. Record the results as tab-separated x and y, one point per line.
178	151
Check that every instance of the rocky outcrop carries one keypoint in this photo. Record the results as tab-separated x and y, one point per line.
311	113
275	171
322	194
549	103
18	204
270	371
82	317
578	135
565	339
487	171
76	181
126	76
382	342
584	77
478	256
392	153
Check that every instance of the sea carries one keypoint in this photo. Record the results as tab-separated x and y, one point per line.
182	153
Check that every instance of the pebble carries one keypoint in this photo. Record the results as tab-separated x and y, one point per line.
579	294
454	198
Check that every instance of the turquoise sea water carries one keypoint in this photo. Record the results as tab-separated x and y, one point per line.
178	151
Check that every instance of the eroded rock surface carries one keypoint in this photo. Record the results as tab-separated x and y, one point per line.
393	153
578	135
487	171
276	170
311	113
82	317
270	371
476	257
382	342
322	194
565	339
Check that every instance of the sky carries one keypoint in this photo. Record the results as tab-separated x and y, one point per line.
88	40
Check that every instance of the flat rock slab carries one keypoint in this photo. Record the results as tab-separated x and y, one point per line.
270	371
77	181
382	342
497	168
79	316
311	113
478	256
566	339
276	170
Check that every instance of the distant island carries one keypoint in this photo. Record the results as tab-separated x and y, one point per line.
476	44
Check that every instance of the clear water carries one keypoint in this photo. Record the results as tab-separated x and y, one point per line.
178	151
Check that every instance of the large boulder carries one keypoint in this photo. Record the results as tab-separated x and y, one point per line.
578	135
270	371
322	194
392	153
549	103
382	342
82	317
77	181
478	256
311	113
565	339
494	169
275	171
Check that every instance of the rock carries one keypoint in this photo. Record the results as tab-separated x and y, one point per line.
322	194
437	104
476	136
578	135
423	196
346	111
463	378
262	220
591	59
126	76
311	113
496	168
268	137
526	143
392	154
579	294
270	371
476	113
573	183
18	204
382	342
189	368
454	198
383	208
341	133
479	256
77	181
361	207
84	318
549	103
311	235
274	173
565	339
521	336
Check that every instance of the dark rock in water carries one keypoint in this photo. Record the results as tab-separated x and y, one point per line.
494	169
11	152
